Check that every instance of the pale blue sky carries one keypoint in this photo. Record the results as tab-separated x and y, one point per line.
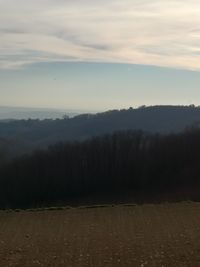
133	52
97	86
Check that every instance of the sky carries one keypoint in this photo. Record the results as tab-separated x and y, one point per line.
99	54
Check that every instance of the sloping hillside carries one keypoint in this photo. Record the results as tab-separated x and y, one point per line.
41	133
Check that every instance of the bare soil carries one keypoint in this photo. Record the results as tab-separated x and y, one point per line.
161	235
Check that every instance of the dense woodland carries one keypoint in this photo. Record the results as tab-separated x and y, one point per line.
130	161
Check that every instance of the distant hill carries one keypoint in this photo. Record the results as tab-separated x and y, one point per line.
18	113
31	134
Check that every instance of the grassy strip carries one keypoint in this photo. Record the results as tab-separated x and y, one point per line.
56	208
69	207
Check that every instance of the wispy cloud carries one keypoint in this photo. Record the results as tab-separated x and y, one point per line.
159	32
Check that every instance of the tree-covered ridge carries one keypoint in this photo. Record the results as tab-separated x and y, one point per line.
28	135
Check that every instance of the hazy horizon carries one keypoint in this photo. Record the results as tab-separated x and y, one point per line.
34	108
97	86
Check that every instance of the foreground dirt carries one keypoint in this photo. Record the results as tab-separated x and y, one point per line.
149	235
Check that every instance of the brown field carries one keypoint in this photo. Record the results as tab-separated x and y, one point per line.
148	235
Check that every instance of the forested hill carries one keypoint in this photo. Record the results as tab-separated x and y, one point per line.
29	134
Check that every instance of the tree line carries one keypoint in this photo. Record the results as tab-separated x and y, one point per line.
128	161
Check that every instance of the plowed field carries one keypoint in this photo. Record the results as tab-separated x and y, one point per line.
149	235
